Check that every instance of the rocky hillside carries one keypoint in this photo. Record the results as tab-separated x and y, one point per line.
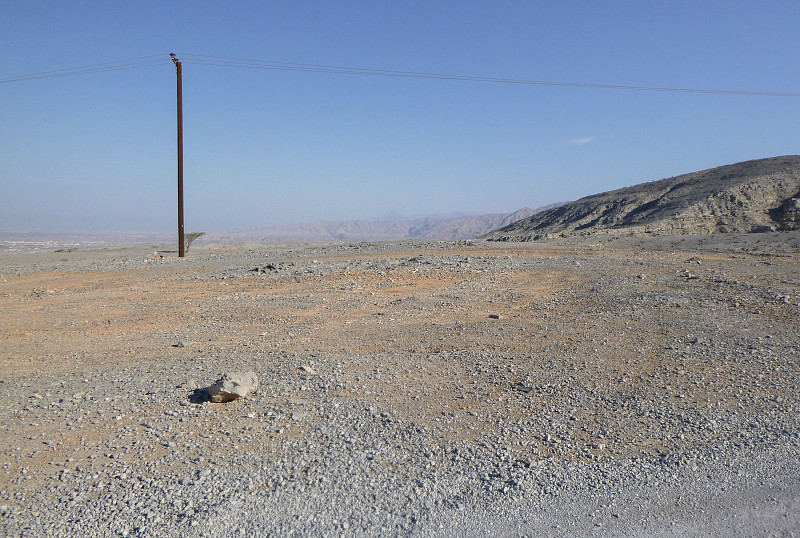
430	228
752	196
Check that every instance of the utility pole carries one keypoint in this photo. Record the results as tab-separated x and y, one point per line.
181	246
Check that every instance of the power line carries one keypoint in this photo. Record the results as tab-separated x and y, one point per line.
249	63
225	61
117	65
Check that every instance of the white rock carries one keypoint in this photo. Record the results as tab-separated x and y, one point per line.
233	385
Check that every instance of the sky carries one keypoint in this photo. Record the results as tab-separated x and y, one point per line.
97	151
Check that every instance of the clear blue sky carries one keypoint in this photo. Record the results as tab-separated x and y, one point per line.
97	151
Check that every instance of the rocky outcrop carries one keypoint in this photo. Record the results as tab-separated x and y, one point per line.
752	196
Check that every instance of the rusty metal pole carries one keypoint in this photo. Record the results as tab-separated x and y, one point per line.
178	70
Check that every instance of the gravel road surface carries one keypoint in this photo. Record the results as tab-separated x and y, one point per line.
642	386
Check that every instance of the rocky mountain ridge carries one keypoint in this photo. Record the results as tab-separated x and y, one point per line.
752	196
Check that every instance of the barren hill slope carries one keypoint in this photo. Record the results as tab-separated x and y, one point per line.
752	196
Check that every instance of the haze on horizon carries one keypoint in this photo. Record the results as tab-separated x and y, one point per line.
96	152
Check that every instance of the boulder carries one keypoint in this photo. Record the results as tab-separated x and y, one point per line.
232	386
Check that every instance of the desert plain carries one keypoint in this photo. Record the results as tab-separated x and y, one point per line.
602	386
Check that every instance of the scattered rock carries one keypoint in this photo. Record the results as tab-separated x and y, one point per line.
616	413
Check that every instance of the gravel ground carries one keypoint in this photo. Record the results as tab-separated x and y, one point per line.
643	386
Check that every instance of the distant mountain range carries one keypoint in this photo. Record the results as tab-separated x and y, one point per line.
752	196
389	229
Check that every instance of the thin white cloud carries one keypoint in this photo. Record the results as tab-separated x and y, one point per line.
580	141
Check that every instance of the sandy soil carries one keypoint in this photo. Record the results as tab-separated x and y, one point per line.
574	352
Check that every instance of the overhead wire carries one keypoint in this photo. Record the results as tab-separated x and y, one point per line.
249	63
225	61
117	65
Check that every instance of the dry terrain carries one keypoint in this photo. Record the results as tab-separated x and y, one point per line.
643	386
752	196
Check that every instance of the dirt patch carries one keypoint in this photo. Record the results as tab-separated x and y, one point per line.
532	353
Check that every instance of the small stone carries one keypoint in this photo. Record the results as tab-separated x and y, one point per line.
495	316
182	343
307	369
